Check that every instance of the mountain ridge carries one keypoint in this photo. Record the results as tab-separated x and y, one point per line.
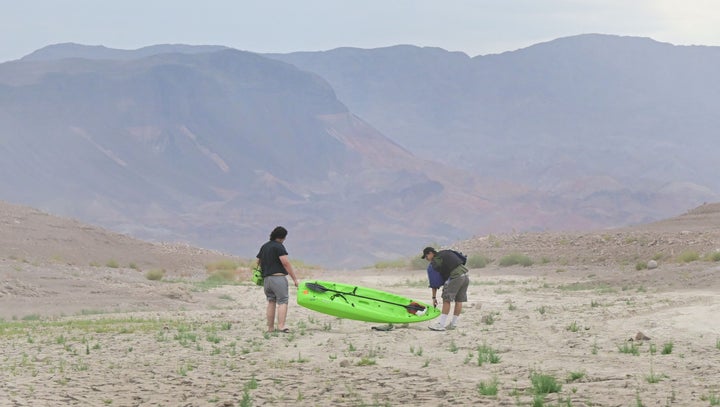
396	147
211	148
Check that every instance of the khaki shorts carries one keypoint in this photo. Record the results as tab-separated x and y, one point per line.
455	289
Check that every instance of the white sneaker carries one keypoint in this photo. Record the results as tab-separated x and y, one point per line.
450	327
437	327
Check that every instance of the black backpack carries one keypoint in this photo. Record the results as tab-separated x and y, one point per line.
462	257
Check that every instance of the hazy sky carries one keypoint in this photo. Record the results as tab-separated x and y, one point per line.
472	26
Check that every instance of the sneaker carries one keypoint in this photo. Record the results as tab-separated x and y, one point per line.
450	327
437	327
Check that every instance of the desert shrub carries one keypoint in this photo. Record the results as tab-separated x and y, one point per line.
221	265
299	264
478	261
112	264
416	263
515	258
155	274
688	256
391	264
641	265
222	275
714	256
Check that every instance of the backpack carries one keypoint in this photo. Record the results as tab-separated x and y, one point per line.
257	276
462	256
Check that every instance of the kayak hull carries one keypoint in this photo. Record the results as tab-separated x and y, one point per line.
362	303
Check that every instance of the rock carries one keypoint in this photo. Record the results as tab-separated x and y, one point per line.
641	337
652	264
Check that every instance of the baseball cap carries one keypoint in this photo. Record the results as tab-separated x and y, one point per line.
427	250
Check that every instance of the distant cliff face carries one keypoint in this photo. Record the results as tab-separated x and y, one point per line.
610	125
216	148
362	154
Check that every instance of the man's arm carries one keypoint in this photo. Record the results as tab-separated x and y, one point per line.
289	268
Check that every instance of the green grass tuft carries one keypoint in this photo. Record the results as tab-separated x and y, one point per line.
629	348
573	376
487	354
544	384
488	388
667	348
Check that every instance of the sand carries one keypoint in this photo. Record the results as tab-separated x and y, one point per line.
94	336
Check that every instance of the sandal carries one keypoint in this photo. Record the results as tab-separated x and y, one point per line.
284	330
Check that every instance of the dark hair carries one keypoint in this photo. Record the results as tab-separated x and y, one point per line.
278	233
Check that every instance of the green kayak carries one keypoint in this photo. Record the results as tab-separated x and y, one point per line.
362	303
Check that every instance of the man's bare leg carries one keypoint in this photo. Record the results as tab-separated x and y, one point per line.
282	314
270	313
458	309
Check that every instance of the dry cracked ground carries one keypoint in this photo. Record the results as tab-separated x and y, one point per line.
82	324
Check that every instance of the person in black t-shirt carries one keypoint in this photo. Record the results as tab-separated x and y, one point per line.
275	265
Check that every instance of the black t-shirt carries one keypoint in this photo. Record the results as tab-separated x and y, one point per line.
269	256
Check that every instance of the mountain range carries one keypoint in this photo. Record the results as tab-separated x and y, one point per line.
363	154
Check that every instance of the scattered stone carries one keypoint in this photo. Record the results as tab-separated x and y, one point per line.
652	264
641	337
178	293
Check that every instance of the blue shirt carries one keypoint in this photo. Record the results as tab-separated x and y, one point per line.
435	278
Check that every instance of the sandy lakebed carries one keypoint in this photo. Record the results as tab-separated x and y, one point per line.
540	335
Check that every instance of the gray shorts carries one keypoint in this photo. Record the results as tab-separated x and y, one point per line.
455	289
276	289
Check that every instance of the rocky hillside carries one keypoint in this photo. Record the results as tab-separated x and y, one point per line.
675	240
32	236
